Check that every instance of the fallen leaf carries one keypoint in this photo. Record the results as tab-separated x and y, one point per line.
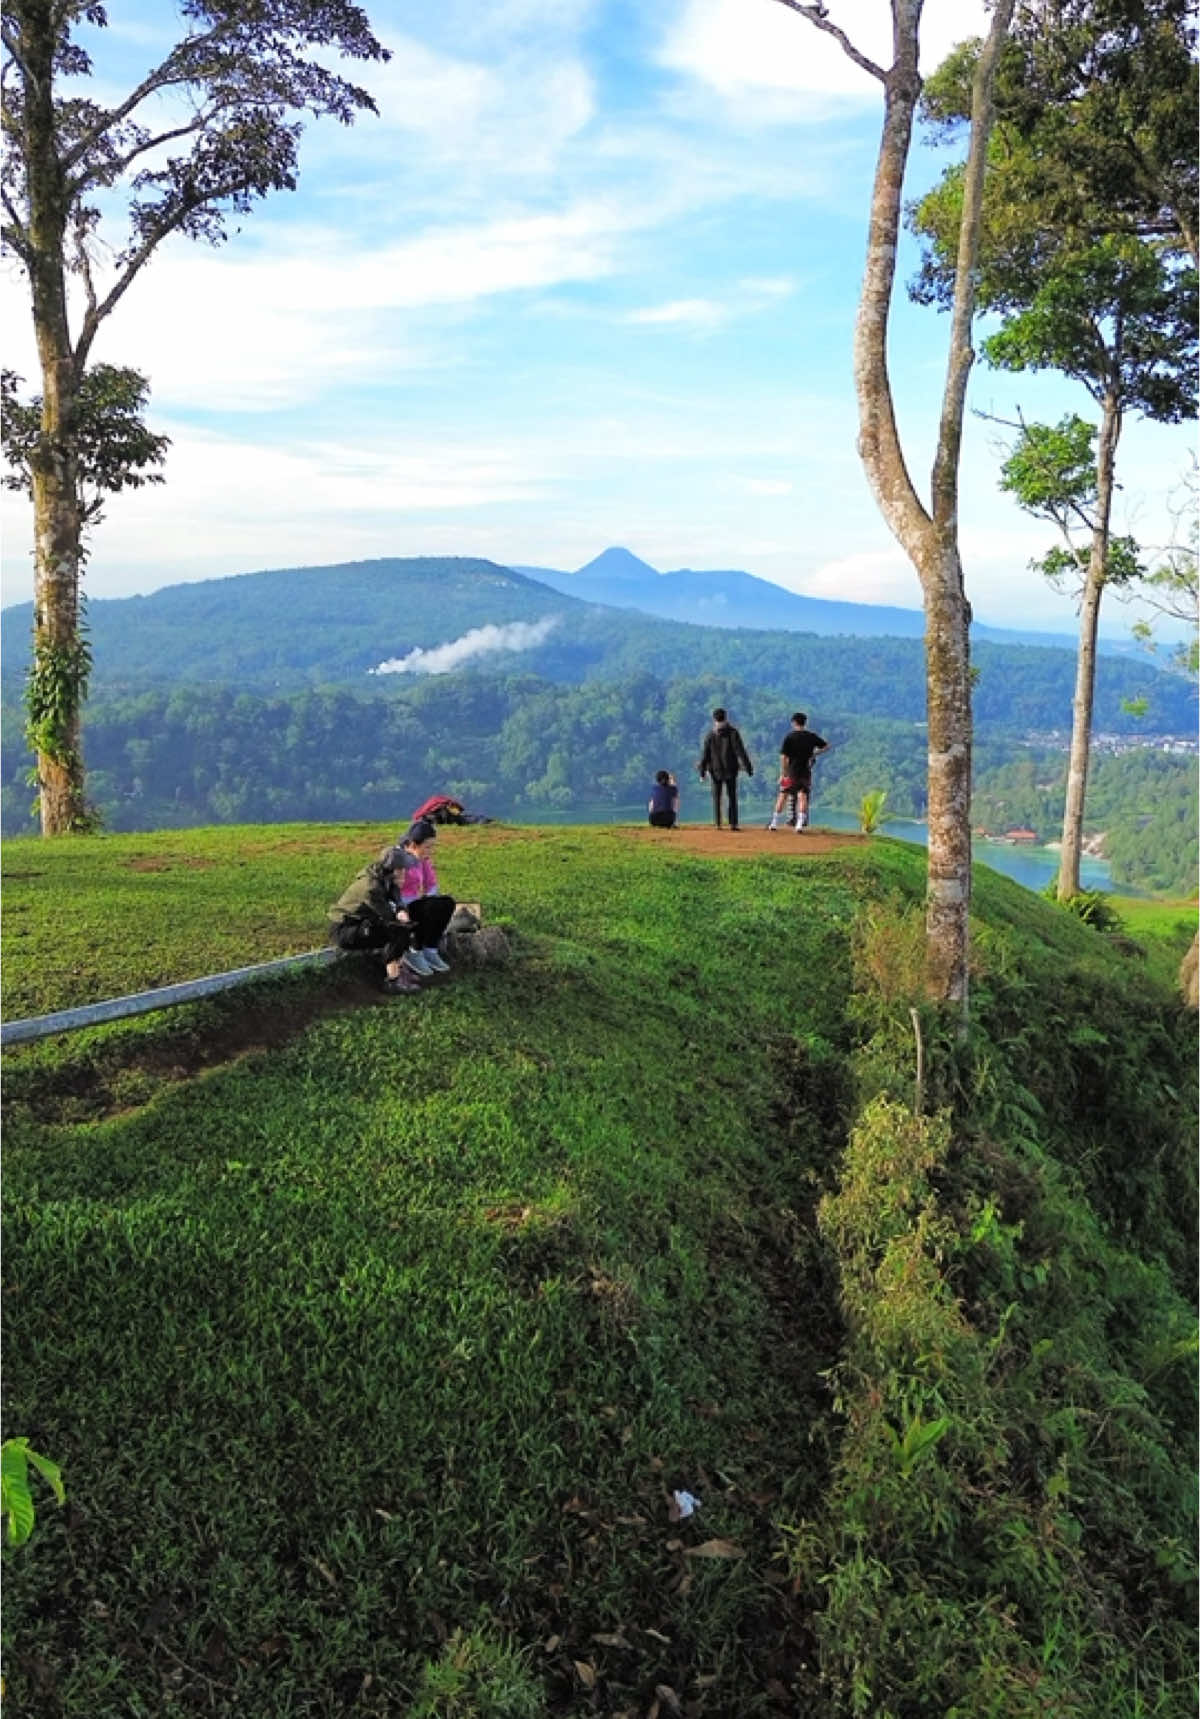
658	1635
715	1549
667	1694
674	1545
586	1673
551	1642
612	1641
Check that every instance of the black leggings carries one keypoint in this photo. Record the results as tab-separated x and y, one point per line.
663	820
429	918
730	787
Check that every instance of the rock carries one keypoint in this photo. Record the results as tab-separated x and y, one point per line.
487	947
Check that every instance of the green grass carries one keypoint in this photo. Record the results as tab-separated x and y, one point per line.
373	1335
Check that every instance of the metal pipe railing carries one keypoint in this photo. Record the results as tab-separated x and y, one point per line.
142	1002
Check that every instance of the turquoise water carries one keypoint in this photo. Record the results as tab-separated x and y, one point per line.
1033	867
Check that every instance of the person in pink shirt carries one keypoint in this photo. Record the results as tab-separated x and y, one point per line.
419	902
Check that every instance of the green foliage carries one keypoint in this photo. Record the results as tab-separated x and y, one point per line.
1090	905
1015	1386
871	815
1145	802
1051	470
513	745
476	1677
114	450
16	1499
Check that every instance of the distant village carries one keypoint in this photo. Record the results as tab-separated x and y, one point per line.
1059	740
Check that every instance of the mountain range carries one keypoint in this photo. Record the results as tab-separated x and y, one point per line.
374	627
735	599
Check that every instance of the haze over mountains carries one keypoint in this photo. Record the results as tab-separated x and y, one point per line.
730	598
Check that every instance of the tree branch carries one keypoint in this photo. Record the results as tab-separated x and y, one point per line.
162	77
112	168
16	233
138	260
816	14
944	482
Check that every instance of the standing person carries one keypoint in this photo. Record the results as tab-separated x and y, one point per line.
797	750
420	904
365	919
664	801
723	755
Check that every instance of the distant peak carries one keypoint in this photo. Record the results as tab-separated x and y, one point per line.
620	564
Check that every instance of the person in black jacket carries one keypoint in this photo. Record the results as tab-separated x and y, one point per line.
365	919
723	755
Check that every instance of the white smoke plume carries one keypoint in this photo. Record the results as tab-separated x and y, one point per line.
479	642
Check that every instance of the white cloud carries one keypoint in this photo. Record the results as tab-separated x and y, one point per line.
874	576
690	312
478	642
775	67
512	116
274	329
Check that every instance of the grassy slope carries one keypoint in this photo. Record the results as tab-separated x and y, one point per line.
407	1322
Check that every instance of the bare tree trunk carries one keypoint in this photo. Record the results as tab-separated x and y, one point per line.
1085	665
930	539
58	670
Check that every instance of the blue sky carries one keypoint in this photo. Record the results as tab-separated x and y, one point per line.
589	278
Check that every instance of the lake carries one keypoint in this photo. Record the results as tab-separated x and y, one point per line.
1033	867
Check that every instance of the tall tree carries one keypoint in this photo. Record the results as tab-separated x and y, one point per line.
1121	322
929	535
203	135
1088	263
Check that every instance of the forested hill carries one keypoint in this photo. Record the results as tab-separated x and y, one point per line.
301	627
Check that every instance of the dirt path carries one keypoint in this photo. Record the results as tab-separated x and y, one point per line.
750	840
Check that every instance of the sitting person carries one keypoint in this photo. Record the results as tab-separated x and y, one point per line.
419	904
365	919
664	801
442	809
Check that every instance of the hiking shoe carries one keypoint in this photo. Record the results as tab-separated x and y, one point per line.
404	984
416	963
434	961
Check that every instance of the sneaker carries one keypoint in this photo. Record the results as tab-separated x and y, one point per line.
772	825
416	963
434	960
801	826
404	984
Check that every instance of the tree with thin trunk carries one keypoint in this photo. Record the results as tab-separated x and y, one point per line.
1090	268
1119	320
928	534
208	131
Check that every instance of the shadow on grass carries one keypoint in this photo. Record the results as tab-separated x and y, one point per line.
111	1070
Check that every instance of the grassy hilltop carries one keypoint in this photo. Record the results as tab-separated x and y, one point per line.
374	1336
